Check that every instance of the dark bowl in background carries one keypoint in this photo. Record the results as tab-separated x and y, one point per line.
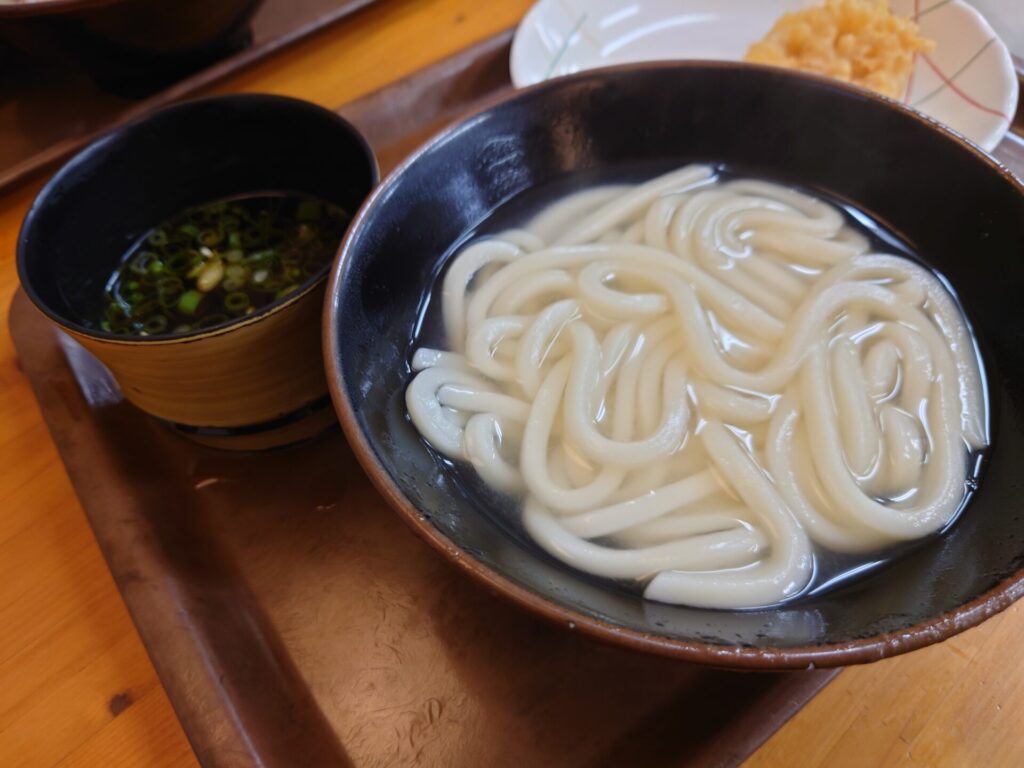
130	47
256	381
952	203
40	8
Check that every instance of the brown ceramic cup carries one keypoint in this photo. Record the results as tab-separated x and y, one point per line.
252	383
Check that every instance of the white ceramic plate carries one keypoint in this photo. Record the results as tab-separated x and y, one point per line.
967	82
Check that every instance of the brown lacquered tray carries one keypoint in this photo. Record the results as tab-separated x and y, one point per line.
295	621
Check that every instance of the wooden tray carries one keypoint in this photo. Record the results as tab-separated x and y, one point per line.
295	621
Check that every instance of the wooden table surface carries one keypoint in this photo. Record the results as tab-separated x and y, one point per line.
76	686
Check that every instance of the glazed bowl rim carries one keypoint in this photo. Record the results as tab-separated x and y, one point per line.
52	7
103	144
854	651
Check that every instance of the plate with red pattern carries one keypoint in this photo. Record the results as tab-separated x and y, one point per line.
967	82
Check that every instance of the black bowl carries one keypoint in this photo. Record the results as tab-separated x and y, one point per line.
952	203
256	380
130	47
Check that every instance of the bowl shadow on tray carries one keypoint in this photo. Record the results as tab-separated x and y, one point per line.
374	618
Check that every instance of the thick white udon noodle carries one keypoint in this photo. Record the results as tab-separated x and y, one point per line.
692	382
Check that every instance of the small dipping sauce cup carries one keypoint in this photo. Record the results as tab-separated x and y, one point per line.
256	381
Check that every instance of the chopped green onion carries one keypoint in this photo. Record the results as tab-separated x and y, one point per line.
251	237
211	275
308	210
181	263
140	263
189	302
170	285
168	291
155	324
114	312
236	272
245	254
196	271
209	237
256	256
235	302
146	308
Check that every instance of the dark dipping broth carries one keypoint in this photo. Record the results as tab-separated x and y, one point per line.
220	261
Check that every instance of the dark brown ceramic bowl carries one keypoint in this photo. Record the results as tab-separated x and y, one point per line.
24	9
952	203
153	25
255	381
130	47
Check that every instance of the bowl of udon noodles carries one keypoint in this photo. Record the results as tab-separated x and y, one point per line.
708	360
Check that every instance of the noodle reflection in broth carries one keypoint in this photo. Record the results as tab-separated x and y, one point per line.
697	383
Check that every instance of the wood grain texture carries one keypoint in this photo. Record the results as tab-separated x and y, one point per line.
69	656
294	620
77	688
